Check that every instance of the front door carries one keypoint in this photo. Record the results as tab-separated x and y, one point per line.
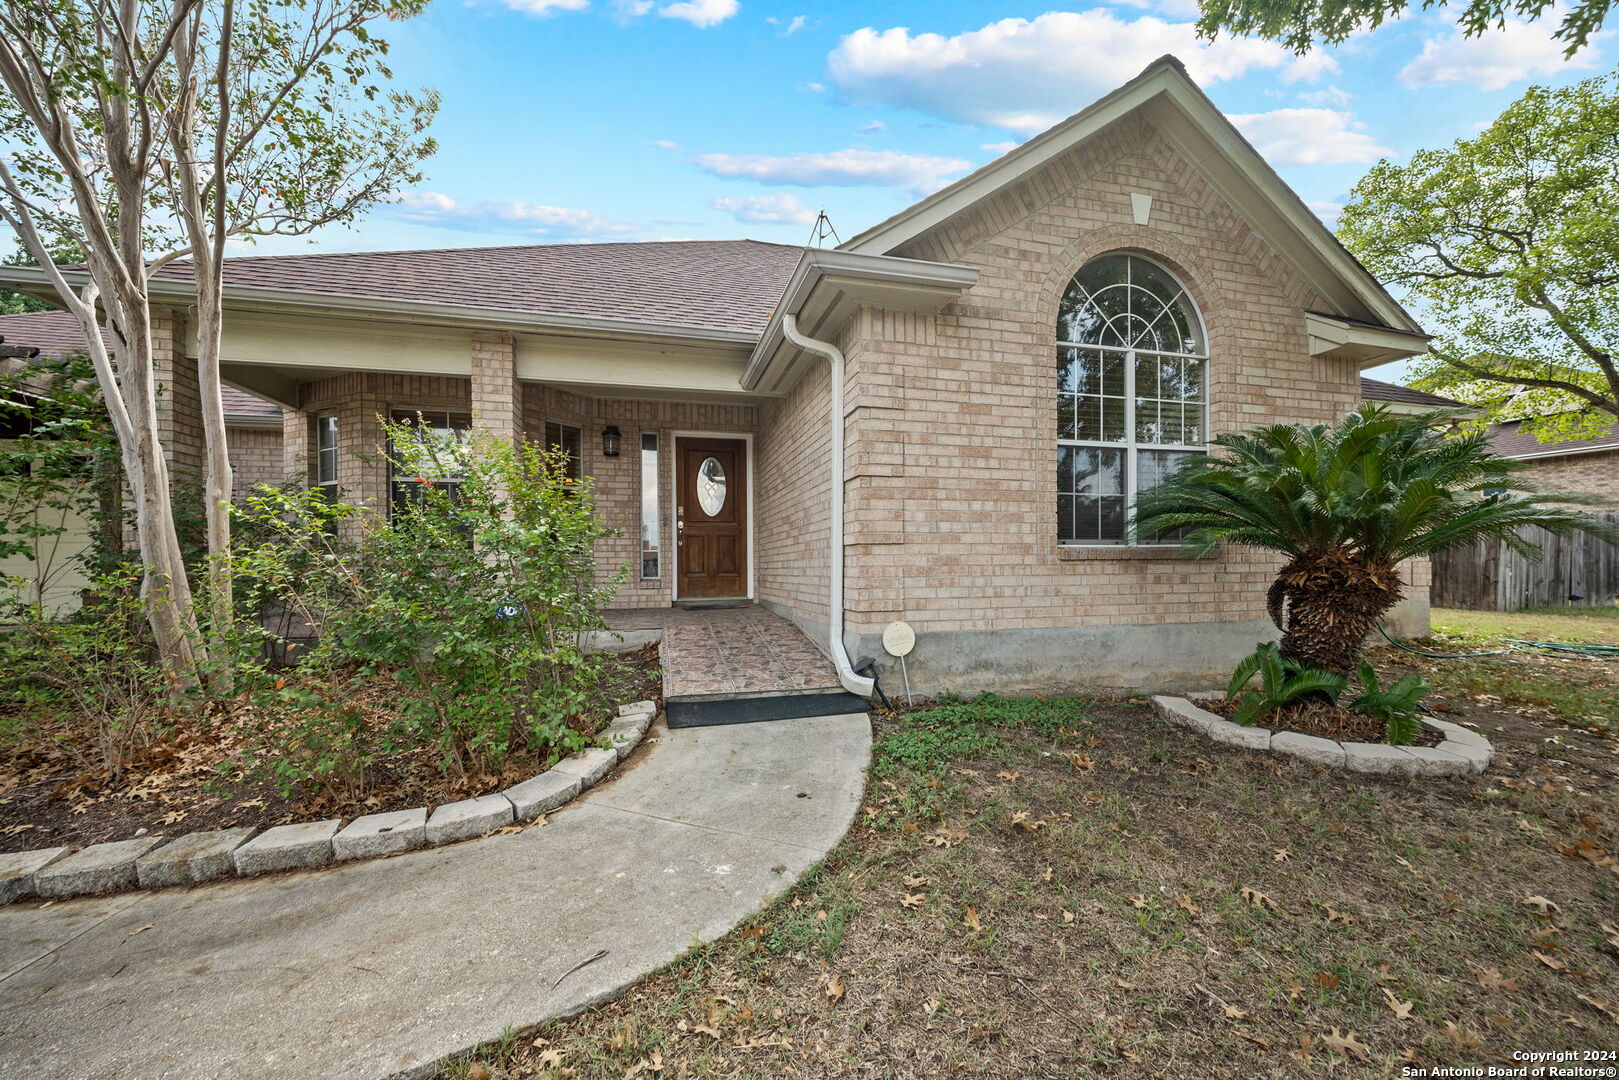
711	517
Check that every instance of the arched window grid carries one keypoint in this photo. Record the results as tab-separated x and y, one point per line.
1132	397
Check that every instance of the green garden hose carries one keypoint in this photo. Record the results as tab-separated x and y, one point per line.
1584	652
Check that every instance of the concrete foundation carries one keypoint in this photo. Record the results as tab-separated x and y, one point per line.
1173	656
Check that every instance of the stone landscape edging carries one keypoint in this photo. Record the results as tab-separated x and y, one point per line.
1461	753
155	862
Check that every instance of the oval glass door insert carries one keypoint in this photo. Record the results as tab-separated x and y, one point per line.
711	486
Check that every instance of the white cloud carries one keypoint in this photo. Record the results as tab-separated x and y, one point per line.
1027	74
789	26
1309	137
663	144
999	147
872	127
1185	9
502	216
1332	97
766	209
700	12
1517	52
839	168
546	7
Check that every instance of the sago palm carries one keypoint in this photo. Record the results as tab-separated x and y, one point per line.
1345	504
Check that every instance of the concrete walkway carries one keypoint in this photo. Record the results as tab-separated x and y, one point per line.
380	969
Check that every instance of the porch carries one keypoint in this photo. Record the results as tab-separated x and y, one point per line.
730	651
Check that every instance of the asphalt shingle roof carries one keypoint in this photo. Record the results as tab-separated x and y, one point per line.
714	284
1377	390
56	333
1509	440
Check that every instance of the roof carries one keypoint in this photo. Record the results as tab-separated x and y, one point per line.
712	284
1377	390
1207	137
56	333
1509	440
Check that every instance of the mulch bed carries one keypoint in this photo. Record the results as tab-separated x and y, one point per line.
175	785
1326	721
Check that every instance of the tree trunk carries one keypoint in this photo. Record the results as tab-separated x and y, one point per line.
217	471
1332	602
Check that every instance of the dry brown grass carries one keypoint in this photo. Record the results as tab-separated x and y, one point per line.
1124	899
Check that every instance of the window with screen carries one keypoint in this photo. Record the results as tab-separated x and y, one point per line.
1131	393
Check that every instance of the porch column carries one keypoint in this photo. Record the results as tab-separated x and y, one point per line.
497	399
179	406
295	448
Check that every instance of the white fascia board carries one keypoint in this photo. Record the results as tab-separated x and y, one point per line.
833	280
1007	169
1554	452
1369	346
1297	233
297	301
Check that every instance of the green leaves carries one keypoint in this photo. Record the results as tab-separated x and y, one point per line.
1508	244
1301	24
1396	706
1282	681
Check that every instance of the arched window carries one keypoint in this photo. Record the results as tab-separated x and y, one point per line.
1131	392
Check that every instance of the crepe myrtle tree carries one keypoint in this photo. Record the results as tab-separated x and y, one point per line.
1508	243
1302	24
145	132
1345	504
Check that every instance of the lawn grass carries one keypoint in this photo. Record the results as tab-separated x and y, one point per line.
1548	685
1584	625
1072	888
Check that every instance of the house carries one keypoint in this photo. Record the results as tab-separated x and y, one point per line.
1590	466
254	435
942	421
1405	400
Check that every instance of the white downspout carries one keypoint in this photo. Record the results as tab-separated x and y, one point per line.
853	683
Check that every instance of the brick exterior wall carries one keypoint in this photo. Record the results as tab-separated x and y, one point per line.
1596	473
358	399
952	419
255	456
179	404
792	526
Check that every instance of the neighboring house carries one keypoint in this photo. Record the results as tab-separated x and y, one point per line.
1590	466
1404	399
254	434
944	420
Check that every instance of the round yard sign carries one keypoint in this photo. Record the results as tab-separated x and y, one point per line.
898	638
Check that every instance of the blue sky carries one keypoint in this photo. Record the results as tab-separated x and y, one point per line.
589	120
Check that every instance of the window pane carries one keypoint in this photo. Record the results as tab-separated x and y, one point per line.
650	524
1112	419
1111	515
1193	379
1113	374
1065	416
1099	472
570	440
1146	376
1147	428
1088	418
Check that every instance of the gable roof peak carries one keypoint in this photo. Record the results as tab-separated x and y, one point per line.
1183	114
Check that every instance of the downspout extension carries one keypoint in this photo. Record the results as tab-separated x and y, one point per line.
855	684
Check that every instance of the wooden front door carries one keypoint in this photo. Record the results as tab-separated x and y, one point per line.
711	517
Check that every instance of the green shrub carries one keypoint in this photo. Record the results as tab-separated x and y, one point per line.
93	669
1396	706
474	598
1282	681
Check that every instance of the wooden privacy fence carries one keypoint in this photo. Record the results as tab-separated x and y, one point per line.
1486	576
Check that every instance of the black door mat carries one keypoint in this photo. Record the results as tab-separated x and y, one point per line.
753	710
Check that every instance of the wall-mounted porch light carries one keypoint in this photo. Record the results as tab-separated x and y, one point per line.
610	439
